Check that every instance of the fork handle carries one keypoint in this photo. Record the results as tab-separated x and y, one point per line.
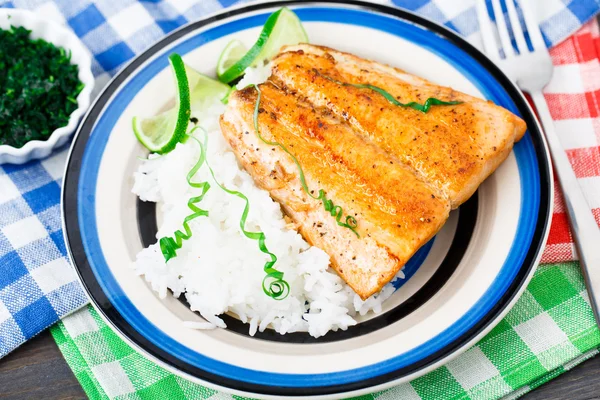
583	225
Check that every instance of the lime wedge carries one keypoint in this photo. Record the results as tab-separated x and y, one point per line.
155	133
204	90
288	31
283	27
161	133
232	53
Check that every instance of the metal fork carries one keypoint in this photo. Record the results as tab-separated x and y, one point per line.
531	71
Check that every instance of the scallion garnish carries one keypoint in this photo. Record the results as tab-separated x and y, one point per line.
170	245
273	284
336	211
413	104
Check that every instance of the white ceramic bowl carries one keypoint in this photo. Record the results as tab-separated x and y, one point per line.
60	36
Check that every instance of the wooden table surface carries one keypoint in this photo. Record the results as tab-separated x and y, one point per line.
37	370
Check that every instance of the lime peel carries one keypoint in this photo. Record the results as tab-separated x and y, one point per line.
184	112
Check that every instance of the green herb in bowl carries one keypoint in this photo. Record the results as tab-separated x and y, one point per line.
38	87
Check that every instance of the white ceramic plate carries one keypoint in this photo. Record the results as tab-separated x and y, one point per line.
459	285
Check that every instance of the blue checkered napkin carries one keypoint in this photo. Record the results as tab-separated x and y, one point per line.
558	18
37	285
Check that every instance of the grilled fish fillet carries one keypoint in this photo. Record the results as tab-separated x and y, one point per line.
396	170
452	147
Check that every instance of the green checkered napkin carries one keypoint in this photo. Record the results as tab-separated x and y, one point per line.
550	330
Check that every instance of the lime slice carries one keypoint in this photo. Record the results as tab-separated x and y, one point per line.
204	90
155	133
288	31
282	28
232	53
161	133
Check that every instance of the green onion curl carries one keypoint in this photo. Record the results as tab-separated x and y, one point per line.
273	284
170	245
389	97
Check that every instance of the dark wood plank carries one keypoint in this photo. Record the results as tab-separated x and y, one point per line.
37	370
582	382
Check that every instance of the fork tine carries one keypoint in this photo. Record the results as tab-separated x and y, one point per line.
489	41
533	28
516	27
502	29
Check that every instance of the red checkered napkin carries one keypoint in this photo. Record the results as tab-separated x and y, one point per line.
573	96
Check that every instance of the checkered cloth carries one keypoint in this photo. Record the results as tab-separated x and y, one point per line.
550	329
37	284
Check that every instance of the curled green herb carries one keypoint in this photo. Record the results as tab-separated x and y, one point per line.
413	104
170	245
38	87
273	284
336	211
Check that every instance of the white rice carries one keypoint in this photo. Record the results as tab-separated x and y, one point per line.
218	269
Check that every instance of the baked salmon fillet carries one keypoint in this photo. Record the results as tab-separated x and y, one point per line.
452	147
396	171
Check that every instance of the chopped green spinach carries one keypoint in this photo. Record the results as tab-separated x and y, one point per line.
38	87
